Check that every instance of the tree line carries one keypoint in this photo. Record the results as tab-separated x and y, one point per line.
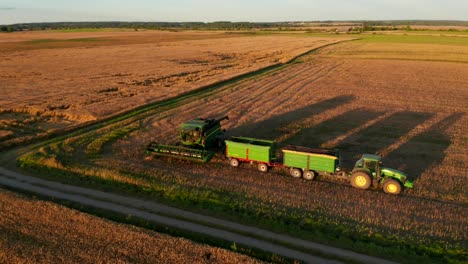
218	25
141	25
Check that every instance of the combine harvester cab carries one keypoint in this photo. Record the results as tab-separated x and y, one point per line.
198	139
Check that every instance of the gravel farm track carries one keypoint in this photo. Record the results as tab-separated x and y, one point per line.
169	216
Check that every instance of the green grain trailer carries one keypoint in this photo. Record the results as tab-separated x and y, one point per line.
243	149
309	162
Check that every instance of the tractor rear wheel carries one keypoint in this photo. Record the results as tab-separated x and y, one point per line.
296	173
392	187
309	175
234	163
361	180
262	167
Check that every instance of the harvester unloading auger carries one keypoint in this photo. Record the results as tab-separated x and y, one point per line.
197	140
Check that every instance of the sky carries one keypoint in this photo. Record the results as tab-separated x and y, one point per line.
24	11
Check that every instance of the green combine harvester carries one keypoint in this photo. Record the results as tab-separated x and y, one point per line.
198	138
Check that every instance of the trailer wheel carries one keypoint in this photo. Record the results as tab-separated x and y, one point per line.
309	175
296	173
234	163
361	180
392	187
262	167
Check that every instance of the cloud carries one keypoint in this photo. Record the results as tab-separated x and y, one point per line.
7	8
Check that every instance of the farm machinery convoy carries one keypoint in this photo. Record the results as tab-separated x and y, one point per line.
200	138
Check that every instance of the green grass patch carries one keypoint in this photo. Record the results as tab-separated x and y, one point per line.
58	41
85	39
96	145
78	30
40	41
413	39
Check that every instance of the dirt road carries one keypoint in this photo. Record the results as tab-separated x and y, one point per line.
169	216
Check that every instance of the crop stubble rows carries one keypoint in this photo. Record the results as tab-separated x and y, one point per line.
392	107
310	101
53	88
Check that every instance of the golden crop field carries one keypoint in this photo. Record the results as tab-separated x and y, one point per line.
52	81
35	231
403	97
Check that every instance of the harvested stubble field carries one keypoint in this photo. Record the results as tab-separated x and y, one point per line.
398	102
51	81
34	231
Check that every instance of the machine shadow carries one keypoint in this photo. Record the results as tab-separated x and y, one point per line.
425	150
276	126
379	135
332	128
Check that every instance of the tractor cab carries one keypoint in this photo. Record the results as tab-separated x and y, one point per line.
369	171
370	163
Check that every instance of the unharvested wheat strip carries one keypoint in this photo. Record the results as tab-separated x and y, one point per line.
336	141
419	129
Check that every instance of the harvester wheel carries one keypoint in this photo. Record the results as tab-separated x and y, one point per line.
361	180
262	167
234	162
392	187
296	173
309	175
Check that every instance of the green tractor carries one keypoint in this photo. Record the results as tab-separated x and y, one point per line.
197	140
368	171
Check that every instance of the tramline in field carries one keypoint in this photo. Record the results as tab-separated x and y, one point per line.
200	137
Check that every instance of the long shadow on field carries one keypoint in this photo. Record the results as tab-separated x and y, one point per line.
425	150
276	126
380	135
333	128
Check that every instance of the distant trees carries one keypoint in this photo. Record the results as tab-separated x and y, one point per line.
6	29
224	25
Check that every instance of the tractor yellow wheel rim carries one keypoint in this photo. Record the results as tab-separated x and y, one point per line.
361	181
391	188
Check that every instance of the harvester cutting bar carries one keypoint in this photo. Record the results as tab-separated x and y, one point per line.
179	152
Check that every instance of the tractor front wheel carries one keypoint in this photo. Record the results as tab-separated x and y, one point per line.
361	180
262	167
392	187
296	173
234	163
